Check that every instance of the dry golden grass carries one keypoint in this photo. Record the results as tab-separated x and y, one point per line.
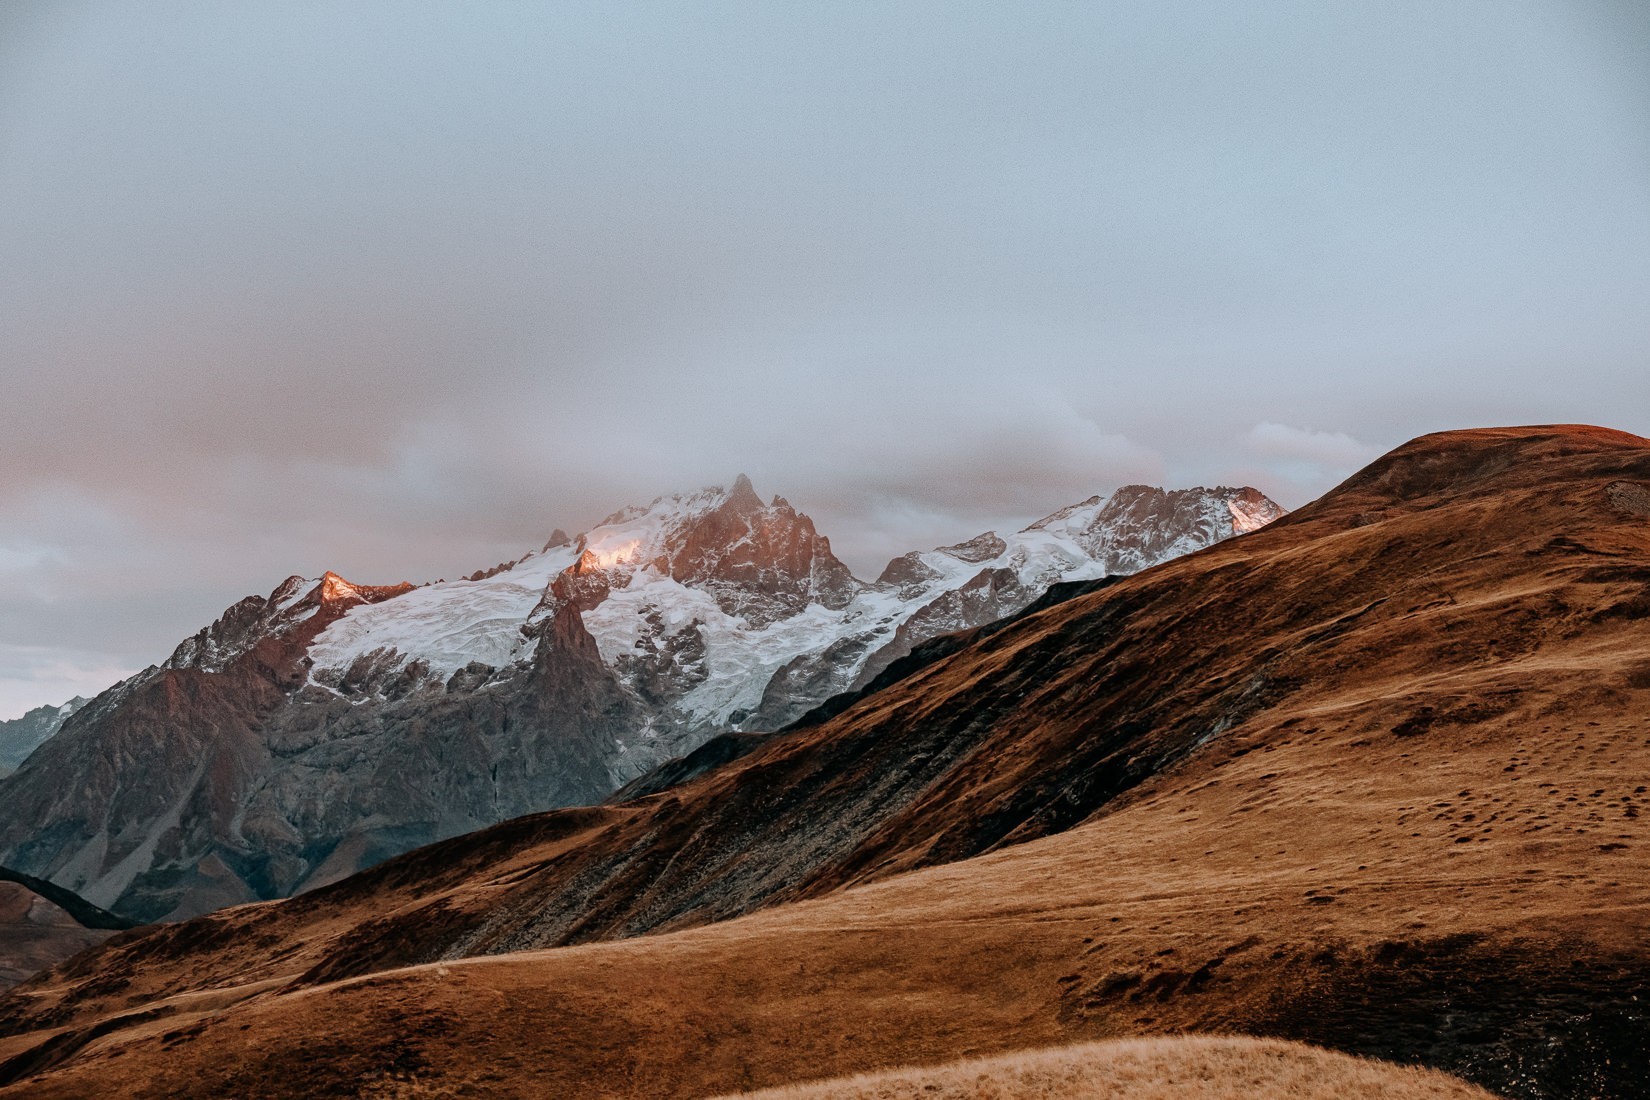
1195	1067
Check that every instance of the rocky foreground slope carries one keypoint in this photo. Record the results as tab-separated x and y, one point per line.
323	728
1372	777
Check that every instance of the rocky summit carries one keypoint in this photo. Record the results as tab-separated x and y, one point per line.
320	729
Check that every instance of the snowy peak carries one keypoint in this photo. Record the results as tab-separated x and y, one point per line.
1251	509
989	577
659	572
1136	527
291	590
742	497
761	561
335	591
758	562
716	608
1072	519
1142	524
919	571
236	631
294	601
980	548
21	736
446	626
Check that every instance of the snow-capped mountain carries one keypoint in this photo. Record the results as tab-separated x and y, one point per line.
329	725
21	736
724	612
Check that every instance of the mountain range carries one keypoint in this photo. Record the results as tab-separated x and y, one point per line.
318	730
22	735
1371	777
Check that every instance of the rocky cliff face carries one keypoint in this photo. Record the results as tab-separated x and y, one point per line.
329	725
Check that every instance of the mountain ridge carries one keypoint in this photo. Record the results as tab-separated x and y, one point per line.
22	735
308	733
42	924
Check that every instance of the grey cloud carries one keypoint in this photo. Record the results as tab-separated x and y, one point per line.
396	288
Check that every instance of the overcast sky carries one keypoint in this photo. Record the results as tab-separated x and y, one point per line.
394	289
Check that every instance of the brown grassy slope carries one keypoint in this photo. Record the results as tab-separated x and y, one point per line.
1411	833
1197	1067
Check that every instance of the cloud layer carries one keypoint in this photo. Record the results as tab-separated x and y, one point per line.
394	289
